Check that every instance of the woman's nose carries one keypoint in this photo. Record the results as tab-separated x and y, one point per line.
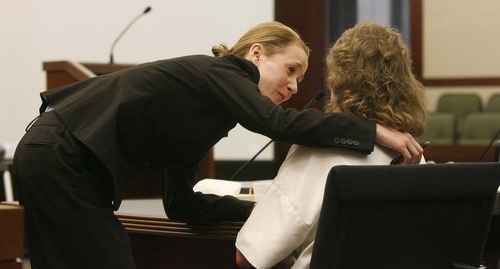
293	87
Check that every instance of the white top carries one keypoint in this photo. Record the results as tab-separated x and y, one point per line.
283	223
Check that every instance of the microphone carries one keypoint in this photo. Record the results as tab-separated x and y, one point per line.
317	96
111	61
489	146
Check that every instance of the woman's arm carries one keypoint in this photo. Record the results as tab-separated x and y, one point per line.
182	203
231	88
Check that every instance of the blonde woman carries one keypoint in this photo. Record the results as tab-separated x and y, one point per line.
369	76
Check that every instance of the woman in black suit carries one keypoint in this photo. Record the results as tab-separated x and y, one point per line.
92	137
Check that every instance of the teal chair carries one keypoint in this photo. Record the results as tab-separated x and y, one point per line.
441	129
493	104
461	105
480	128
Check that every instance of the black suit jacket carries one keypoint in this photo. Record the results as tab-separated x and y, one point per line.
169	113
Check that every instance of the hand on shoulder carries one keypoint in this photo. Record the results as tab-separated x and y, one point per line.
403	143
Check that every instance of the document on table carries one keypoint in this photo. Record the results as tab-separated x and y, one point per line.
218	187
222	187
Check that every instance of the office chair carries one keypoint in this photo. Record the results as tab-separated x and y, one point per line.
433	216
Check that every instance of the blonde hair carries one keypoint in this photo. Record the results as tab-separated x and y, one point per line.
273	36
369	75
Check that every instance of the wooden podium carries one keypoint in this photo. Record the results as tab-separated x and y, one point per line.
146	185
60	73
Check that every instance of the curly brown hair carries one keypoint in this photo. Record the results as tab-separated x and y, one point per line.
369	75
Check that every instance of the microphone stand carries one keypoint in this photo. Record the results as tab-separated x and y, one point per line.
251	160
318	96
111	60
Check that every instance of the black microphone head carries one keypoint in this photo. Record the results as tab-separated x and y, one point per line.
147	10
319	95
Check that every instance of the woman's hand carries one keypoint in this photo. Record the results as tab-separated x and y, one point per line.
403	143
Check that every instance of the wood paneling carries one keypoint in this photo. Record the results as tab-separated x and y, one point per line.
310	20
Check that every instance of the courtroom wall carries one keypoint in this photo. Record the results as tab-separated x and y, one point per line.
460	41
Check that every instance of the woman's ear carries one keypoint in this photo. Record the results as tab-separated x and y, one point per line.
255	53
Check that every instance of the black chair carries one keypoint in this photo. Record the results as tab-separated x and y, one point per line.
429	216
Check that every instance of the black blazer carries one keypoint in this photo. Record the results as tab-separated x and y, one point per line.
169	113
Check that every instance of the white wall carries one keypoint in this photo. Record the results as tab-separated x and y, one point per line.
460	41
461	38
32	32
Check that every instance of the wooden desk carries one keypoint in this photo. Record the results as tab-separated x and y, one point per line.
458	153
158	242
11	236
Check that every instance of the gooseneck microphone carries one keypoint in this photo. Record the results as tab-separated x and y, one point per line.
489	146
317	96
111	61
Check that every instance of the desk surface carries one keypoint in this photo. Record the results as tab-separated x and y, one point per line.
147	216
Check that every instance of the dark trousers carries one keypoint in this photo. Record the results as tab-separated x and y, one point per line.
67	195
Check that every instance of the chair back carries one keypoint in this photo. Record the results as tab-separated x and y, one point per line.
441	128
493	104
480	128
405	216
460	105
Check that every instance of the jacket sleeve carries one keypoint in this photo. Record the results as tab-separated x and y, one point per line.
182	203
233	85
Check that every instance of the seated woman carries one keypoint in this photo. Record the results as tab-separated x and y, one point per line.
369	75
